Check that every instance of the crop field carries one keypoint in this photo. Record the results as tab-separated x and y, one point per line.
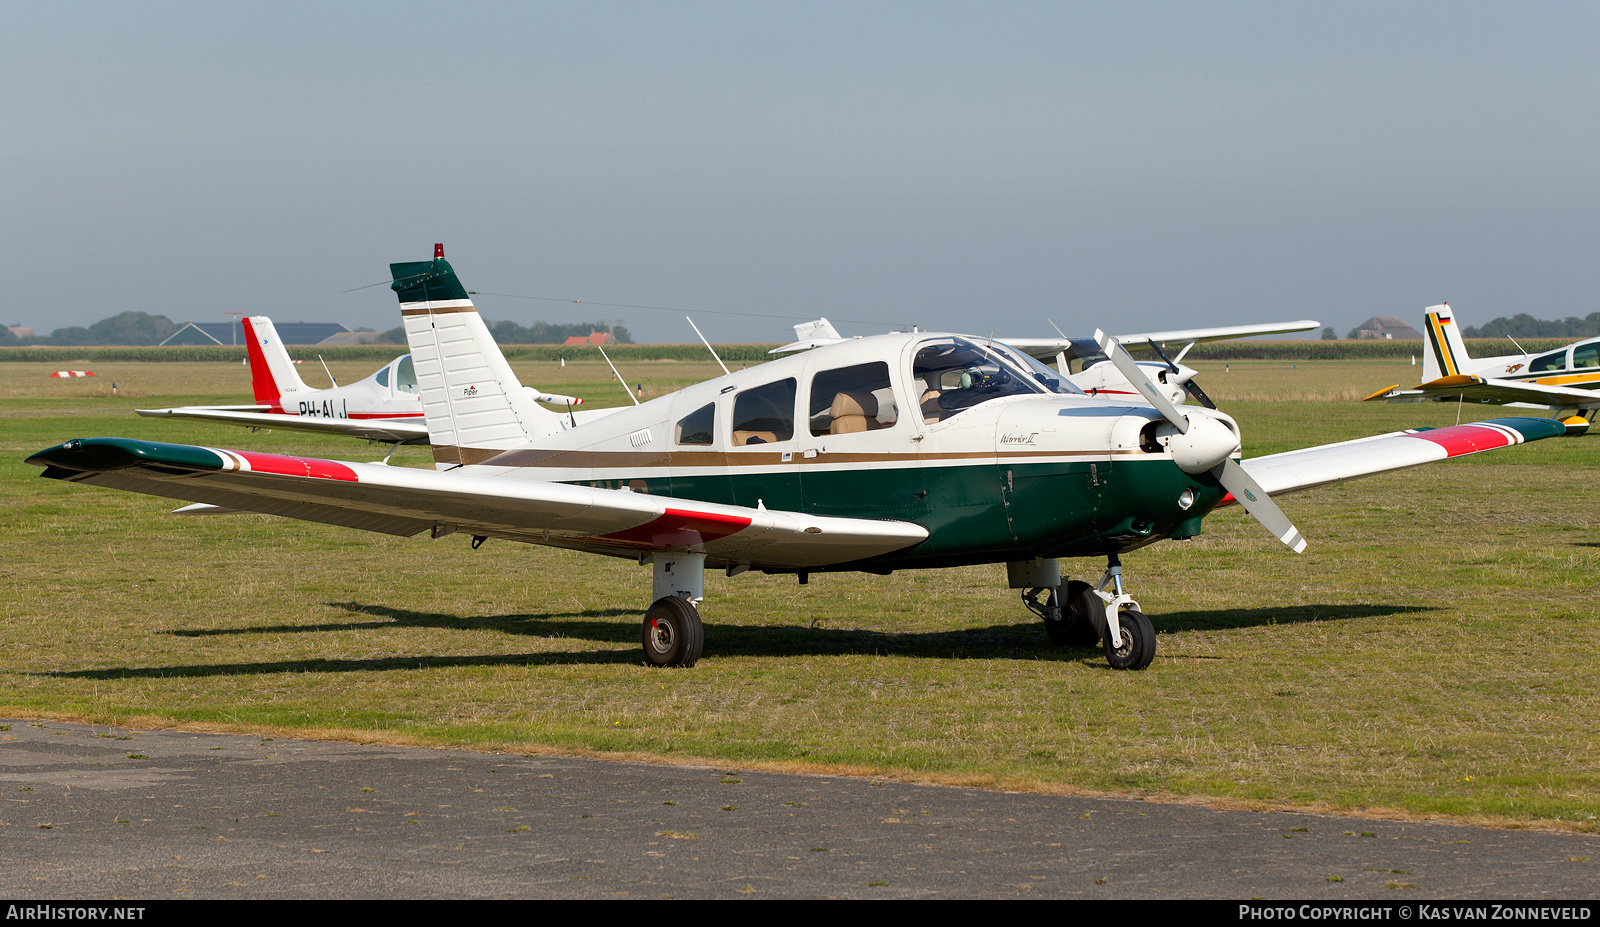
1432	651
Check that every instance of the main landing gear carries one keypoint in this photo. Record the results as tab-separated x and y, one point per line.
672	633
1078	615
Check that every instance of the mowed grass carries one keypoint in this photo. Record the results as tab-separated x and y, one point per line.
1431	653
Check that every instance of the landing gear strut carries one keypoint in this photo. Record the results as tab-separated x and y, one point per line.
1130	641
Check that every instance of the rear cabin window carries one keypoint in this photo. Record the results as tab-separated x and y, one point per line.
1586	355
383	377
764	414
848	400
1556	361
698	426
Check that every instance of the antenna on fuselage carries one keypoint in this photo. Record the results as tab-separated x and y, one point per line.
328	372
618	375
1519	347
703	341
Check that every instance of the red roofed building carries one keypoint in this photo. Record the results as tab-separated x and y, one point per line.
594	338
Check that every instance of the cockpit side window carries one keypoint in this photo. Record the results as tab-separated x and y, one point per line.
405	376
1586	355
1556	361
699	426
955	375
383	377
847	400
764	414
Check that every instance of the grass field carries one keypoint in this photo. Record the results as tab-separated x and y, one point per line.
1432	652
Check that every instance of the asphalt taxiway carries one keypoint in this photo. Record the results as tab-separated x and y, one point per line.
95	812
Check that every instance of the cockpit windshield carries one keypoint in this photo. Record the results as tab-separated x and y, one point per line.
955	374
405	376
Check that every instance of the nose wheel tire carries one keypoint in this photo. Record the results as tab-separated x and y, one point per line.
1138	642
672	634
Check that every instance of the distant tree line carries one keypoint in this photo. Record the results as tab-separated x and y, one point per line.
1523	325
508	332
124	328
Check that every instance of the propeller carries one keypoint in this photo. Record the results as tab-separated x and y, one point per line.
1205	445
1190	385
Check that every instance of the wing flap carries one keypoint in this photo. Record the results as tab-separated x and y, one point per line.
404	501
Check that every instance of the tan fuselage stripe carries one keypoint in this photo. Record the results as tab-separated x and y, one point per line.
439	311
635	460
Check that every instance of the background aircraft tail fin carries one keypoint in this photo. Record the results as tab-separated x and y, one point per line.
474	406
1447	353
272	373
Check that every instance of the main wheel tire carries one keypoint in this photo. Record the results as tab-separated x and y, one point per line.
672	633
1083	614
1138	642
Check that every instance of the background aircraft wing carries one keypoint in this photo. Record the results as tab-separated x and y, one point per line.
1046	348
1334	463
1485	389
403	430
404	501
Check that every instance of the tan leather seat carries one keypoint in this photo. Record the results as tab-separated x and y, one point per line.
741	438
930	406
853	413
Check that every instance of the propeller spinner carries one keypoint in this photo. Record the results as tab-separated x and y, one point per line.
1205	445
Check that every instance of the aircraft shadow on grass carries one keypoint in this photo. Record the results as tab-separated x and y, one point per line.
1023	640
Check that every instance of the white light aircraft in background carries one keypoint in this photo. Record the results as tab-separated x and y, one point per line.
1566	380
383	407
912	450
1082	362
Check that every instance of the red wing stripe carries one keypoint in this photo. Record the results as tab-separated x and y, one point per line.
298	466
681	528
1466	439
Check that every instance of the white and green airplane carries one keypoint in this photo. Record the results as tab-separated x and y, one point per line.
892	452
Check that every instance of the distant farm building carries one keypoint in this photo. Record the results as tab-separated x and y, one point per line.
1388	328
22	331
605	338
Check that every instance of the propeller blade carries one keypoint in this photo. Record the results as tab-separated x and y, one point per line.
1198	393
1129	369
1249	494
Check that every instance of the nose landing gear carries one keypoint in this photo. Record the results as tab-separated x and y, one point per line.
1077	614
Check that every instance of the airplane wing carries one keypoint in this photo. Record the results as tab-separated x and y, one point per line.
403	501
1293	471
1046	348
402	430
1487	389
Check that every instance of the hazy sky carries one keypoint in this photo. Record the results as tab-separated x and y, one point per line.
977	167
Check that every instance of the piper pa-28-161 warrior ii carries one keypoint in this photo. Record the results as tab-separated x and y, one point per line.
1081	362
898	451
383	407
1564	380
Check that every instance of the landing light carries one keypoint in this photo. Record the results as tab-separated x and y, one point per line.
1186	499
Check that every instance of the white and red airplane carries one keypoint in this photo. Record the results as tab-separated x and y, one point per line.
901	451
1566	380
384	406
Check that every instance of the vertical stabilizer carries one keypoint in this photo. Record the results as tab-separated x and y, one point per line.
272	373
1447	353
473	403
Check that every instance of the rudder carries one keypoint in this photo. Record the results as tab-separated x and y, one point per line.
272	373
1447	353
473	404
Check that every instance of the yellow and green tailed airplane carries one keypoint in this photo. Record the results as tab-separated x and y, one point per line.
1566	380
